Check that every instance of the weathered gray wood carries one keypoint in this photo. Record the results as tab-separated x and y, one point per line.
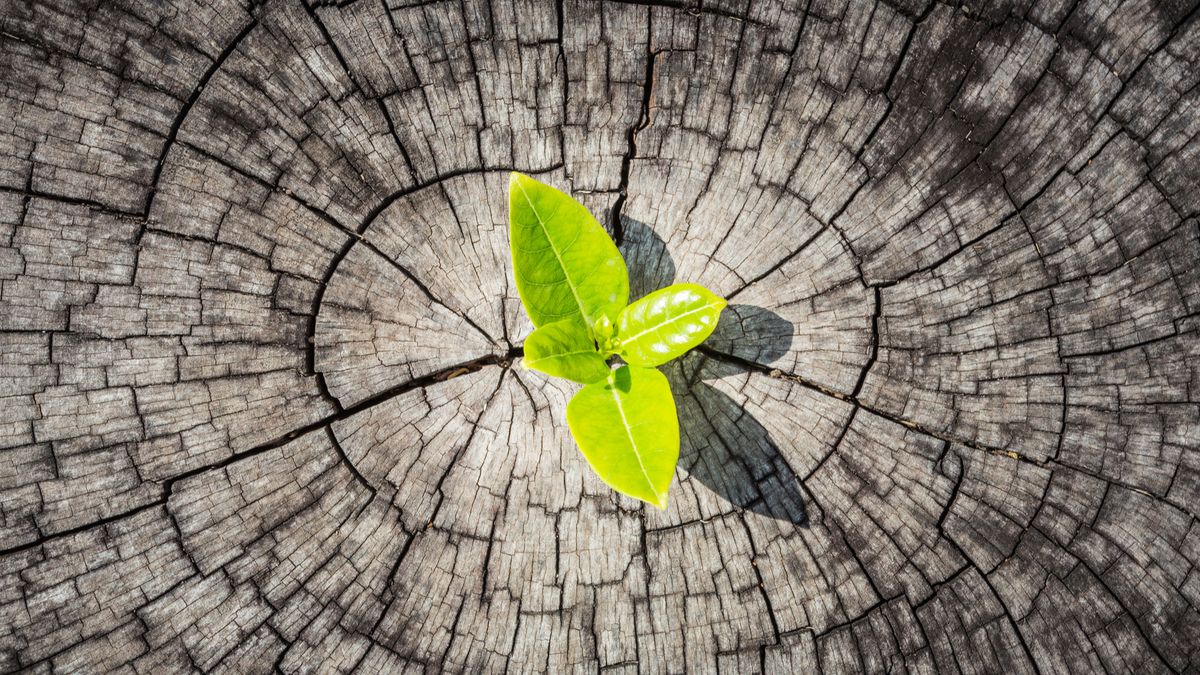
260	398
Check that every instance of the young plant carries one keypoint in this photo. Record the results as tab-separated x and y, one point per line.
575	288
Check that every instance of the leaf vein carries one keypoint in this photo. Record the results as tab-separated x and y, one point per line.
554	249
636	453
658	326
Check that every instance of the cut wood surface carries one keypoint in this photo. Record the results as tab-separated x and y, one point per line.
261	403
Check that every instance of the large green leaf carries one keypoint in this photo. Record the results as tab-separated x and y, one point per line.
627	428
564	349
565	264
667	323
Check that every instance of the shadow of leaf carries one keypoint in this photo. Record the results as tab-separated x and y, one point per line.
750	333
728	451
650	265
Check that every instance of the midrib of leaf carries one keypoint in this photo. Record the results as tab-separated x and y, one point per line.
554	250
629	434
562	355
673	319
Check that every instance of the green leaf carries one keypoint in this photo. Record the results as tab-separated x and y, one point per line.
667	323
564	349
565	264
627	428
604	332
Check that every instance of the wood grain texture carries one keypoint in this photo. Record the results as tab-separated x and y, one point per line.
258	402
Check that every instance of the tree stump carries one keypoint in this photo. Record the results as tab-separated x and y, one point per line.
260	397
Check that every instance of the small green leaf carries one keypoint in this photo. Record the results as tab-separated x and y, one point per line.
604	332
628	430
565	264
667	323
603	328
564	349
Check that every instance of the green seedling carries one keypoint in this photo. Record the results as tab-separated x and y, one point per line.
574	285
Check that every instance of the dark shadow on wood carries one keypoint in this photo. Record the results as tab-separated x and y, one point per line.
751	333
721	445
650	265
727	450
